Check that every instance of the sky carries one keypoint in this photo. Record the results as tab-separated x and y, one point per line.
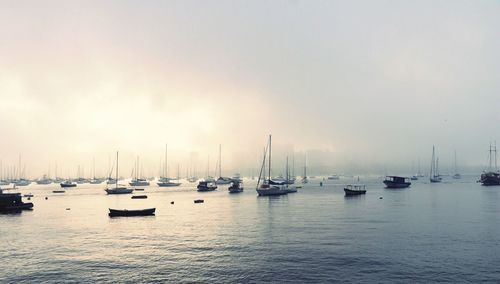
357	86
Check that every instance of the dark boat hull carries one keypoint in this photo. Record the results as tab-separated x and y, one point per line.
204	189
390	184
490	179
131	213
349	192
68	185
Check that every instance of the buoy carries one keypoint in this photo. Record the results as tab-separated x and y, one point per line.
68	208
380	197
171	202
29	198
320	183
199	201
46	198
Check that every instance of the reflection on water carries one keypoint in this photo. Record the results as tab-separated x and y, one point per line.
444	232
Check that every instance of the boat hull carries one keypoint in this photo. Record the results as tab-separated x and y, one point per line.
271	191
350	192
168	184
131	213
68	185
119	190
391	184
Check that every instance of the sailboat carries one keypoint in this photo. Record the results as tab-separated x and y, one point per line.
456	175
491	177
165	181
221	179
137	181
289	187
268	187
434	174
94	180
304	178
116	189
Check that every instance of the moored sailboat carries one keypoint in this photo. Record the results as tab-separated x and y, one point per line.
116	189
268	187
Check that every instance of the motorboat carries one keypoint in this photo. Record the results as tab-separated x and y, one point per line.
356	189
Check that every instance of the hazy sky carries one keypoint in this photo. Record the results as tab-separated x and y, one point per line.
358	84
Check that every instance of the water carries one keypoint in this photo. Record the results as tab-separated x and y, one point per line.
446	232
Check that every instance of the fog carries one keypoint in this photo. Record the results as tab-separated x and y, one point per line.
358	86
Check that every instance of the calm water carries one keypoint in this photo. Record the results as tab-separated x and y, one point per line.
447	232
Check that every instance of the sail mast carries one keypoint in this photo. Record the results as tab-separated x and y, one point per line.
220	160
269	157
116	180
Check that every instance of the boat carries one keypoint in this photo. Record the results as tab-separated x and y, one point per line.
206	186
491	177
456	175
94	180
131	213
13	202
236	186
414	177
396	182
58	191
28	195
139	196
138	181
222	180
67	183
289	187
333	177
21	182
434	174
44	180
199	201
116	189
354	189
268	187
192	179
304	178
165	181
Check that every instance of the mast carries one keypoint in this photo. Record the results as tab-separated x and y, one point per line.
490	157
431	175
166	159
116	180
269	157
495	149
220	160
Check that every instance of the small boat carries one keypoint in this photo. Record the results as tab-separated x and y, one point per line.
116	189
167	182
396	182
268	187
235	187
131	213
139	182
199	201
415	177
492	176
457	175
28	195
333	177
68	183
139	189
355	189
206	186
58	191
222	180
139	196
434	174
13	202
